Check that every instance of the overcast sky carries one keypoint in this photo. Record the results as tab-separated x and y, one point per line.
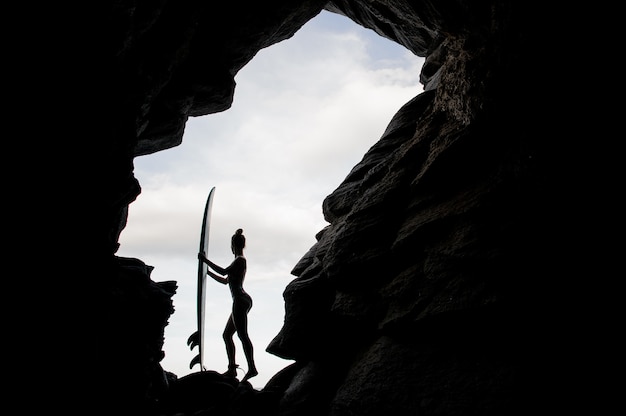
305	111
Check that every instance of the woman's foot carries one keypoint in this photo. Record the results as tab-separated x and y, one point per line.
251	373
232	371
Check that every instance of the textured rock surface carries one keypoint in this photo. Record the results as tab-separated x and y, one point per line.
427	294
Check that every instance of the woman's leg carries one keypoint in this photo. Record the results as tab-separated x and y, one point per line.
240	317
229	332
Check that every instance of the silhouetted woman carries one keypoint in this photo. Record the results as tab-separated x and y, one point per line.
242	302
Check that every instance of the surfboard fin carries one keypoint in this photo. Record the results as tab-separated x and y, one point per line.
194	361
193	340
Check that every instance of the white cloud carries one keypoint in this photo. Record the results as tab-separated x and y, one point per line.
305	112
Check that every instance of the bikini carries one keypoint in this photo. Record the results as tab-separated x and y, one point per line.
240	298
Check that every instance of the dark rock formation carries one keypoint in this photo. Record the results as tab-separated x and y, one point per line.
431	292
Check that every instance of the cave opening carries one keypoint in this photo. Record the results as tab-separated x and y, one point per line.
304	113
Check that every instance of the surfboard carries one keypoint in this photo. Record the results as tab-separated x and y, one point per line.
197	338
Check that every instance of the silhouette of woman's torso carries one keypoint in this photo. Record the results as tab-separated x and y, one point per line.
236	274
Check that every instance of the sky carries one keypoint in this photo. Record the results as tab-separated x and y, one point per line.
305	112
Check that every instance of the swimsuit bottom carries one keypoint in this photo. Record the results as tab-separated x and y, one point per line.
242	301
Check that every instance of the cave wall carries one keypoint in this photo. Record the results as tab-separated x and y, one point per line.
414	300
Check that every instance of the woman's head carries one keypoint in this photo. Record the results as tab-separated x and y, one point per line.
238	241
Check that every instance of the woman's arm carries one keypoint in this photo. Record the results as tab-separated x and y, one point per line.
217	268
222	280
220	270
